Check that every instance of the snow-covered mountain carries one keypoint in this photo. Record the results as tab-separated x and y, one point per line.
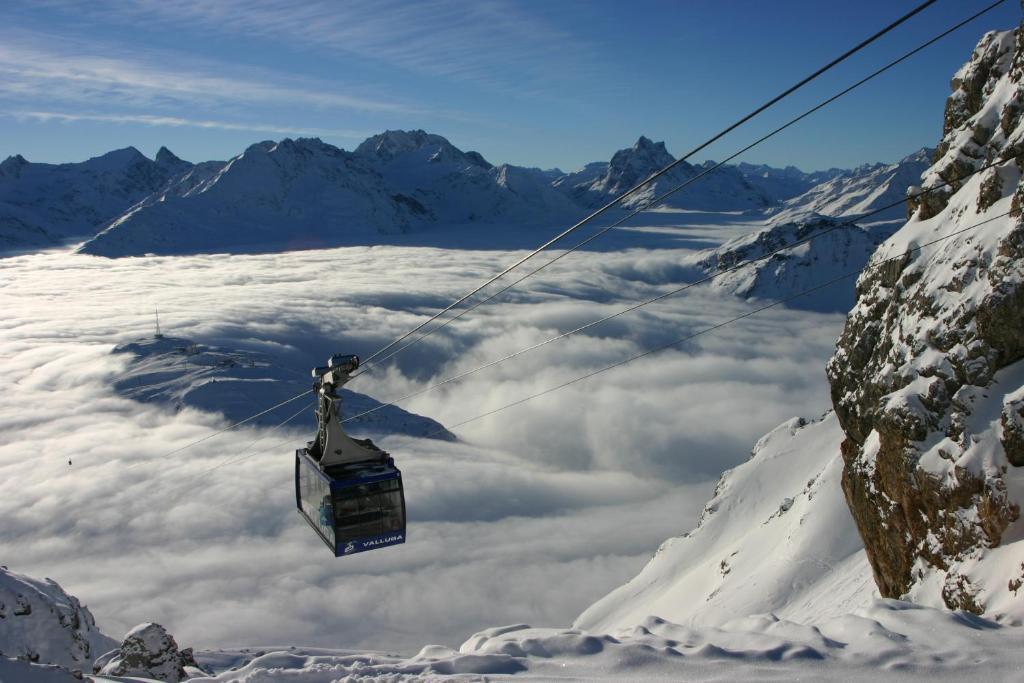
724	189
41	623
829	248
453	186
305	193
42	204
291	194
864	189
179	372
928	375
784	183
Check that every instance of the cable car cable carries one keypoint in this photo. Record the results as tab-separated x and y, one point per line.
252	443
705	331
225	429
673	292
658	200
617	200
596	213
719	325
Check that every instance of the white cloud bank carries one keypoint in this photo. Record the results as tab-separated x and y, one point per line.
537	513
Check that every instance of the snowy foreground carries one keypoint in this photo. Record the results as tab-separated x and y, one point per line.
531	516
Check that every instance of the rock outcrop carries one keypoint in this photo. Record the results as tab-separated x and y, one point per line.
148	651
926	378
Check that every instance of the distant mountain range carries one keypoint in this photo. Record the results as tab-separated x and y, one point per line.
305	193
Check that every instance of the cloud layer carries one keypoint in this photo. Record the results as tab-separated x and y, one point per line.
539	511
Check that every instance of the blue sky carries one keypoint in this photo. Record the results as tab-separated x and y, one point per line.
532	83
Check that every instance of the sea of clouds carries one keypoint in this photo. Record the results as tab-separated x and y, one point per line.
535	513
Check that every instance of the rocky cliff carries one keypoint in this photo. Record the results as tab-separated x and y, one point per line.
40	623
927	376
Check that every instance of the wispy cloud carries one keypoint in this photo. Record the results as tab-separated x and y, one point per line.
32	65
178	122
476	41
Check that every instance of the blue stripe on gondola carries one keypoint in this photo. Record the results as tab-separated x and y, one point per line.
370	543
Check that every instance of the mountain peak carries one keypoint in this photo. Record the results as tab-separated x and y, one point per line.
645	157
13	164
393	143
645	143
117	159
166	157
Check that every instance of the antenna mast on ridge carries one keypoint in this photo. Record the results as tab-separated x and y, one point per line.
159	334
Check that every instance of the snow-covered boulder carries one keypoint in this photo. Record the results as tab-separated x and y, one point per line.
41	623
149	651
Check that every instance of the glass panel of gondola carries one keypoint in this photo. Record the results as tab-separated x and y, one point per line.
313	494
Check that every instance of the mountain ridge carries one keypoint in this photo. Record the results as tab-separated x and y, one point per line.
320	195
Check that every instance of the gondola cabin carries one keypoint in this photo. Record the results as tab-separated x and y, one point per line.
348	490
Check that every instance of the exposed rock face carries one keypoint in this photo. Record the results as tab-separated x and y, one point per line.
926	378
41	623
149	651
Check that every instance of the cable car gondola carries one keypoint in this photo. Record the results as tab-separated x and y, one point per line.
348	490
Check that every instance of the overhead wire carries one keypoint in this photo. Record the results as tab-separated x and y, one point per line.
864	43
230	427
678	290
661	198
618	199
705	331
720	325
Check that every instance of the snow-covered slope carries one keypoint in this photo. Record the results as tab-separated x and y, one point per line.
777	537
722	190
42	204
24	671
928	375
292	194
305	193
864	189
835	247
238	383
41	623
783	183
883	639
451	186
